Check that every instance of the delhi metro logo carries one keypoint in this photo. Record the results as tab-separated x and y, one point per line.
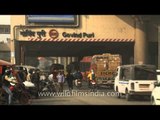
53	33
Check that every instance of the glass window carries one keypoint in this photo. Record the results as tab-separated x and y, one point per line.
4	29
144	74
125	74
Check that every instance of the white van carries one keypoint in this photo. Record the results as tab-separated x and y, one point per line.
134	80
155	96
158	75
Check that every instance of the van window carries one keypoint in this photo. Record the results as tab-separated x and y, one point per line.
144	74
125	74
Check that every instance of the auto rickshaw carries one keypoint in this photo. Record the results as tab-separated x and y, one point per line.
3	66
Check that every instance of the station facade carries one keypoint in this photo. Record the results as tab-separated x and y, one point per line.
69	38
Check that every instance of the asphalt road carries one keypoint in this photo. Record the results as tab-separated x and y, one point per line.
84	96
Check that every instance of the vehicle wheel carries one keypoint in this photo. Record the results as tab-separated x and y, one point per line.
98	87
128	96
153	101
118	94
1	92
111	86
24	99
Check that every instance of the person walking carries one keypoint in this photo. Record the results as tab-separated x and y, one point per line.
61	79
35	78
69	79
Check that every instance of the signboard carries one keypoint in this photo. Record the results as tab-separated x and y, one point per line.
54	19
41	33
47	34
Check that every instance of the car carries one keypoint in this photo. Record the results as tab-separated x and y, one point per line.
25	68
155	95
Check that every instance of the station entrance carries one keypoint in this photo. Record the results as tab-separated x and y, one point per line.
27	52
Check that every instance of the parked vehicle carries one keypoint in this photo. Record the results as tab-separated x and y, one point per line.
93	85
20	93
135	80
24	68
31	89
158	75
105	67
47	86
78	83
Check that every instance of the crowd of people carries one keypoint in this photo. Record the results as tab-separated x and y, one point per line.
35	76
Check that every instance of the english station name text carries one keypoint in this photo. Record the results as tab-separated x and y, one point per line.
78	35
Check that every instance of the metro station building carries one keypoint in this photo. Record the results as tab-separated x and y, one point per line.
69	38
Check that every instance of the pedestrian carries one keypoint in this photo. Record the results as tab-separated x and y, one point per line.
69	79
35	78
77	76
61	80
91	76
6	79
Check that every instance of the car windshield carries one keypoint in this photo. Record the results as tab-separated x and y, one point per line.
145	73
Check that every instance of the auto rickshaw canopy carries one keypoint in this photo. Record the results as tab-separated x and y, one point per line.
3	62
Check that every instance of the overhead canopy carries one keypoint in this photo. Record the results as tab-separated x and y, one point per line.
3	62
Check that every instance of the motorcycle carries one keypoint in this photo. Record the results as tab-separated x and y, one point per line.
93	85
3	97
20	94
78	83
47	86
31	89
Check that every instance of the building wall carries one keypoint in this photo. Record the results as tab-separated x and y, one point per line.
16	20
103	26
5	19
152	32
5	39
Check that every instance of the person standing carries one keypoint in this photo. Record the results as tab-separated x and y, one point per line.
91	76
35	78
61	79
69	79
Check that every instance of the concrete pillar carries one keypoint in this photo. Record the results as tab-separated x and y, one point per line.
69	60
65	64
59	60
55	60
74	59
141	43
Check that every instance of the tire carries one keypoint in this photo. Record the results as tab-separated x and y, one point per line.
118	94
153	101
24	99
128	96
111	86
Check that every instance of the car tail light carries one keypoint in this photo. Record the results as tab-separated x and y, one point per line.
11	88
